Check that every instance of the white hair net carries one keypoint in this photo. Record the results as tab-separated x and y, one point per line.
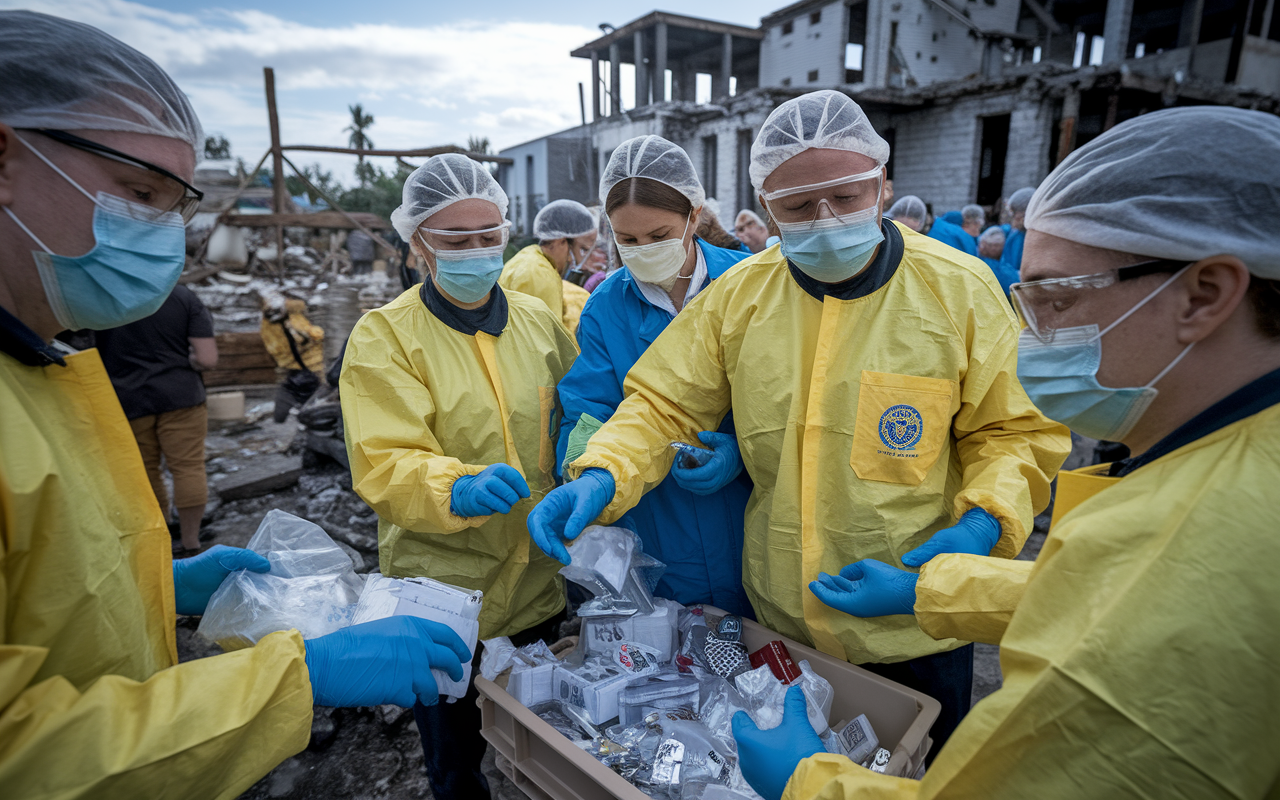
750	216
908	207
825	119
55	73
563	219
1019	200
991	234
438	184
973	213
1182	184
658	160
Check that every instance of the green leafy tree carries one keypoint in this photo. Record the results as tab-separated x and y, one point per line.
478	144
379	192
320	178
359	138
217	147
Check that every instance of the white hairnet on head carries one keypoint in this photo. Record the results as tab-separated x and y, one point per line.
438	184
658	160
908	207
750	216
563	219
826	119
991	234
55	73
1182	184
1019	200
973	212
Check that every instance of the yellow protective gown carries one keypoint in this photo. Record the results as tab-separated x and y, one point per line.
423	405
1141	661
92	700
531	272
575	298
307	337
867	425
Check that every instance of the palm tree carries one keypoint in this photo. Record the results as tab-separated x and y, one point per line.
478	144
360	122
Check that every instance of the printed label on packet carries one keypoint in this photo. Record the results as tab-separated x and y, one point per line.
667	761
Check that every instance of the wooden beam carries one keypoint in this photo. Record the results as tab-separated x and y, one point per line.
418	153
278	192
319	219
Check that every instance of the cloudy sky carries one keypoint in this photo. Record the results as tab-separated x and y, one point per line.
430	72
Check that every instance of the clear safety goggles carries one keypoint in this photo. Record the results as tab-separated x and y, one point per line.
153	186
1044	306
841	198
465	239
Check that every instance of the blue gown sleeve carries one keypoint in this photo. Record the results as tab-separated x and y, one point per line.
591	385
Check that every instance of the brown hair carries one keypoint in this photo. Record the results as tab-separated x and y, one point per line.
1264	296
648	193
711	232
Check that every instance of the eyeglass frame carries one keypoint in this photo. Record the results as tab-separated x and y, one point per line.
1093	280
187	206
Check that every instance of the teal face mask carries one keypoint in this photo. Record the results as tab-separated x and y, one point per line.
137	257
833	250
1061	379
468	275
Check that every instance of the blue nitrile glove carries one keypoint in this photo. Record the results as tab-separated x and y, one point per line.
384	661
976	532
196	579
768	758
724	466
493	491
868	589
567	510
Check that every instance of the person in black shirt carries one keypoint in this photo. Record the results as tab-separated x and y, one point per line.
154	366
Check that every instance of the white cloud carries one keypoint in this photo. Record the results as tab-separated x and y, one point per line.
425	85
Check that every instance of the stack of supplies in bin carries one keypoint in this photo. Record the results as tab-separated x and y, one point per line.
429	599
652	686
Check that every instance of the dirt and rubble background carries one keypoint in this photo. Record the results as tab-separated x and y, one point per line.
256	464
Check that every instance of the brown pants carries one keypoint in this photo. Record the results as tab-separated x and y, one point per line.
179	437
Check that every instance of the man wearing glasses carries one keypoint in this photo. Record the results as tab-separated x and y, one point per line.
1139	651
97	148
871	375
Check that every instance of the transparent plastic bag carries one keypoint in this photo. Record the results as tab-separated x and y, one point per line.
610	563
312	587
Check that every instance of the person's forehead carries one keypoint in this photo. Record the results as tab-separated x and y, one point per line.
815	166
470	214
1047	256
175	155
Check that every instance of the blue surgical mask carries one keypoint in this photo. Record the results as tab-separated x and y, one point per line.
137	257
1061	378
468	275
833	250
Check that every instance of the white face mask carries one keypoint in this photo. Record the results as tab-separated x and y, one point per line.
658	263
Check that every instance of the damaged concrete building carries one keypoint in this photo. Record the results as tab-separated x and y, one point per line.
977	97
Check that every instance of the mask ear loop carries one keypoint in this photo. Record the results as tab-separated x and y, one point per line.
56	169
1142	303
64	175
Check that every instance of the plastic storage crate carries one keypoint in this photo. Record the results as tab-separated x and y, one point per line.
547	766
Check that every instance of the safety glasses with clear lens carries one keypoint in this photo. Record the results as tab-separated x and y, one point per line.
841	197
1044	306
466	239
160	189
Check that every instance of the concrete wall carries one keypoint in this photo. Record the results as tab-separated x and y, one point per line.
808	47
517	186
936	46
936	150
1260	65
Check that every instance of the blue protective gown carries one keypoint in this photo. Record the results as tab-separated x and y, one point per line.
949	233
1003	272
698	538
1012	255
